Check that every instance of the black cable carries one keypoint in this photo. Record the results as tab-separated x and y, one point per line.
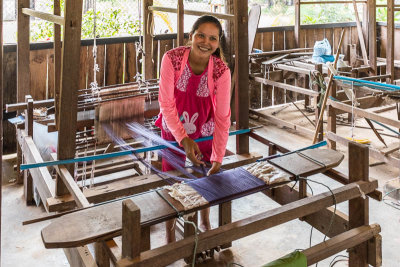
337	256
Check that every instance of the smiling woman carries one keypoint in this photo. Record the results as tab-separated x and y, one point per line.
194	100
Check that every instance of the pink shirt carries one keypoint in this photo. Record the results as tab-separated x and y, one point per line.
219	84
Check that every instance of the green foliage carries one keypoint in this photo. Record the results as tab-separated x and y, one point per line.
113	21
317	14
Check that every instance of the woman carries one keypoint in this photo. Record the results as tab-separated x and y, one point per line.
194	100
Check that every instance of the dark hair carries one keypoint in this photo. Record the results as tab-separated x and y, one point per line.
210	19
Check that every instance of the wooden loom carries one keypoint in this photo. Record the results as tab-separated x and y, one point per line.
106	222
133	217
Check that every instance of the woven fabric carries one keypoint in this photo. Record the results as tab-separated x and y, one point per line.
226	184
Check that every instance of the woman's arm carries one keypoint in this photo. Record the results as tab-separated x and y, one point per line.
222	117
167	100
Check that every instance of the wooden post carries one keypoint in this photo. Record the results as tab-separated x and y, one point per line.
372	35
229	33
188	230
29	115
225	217
23	50
390	41
101	255
331	127
1	115
316	87
57	62
242	75
69	86
131	235
358	208
180	20
147	43
297	22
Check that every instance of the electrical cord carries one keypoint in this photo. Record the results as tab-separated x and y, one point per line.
333	262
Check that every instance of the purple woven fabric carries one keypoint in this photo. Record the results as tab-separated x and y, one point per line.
226	184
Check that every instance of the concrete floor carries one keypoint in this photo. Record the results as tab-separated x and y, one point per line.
22	246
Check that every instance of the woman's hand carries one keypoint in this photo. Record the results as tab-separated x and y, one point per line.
214	168
192	151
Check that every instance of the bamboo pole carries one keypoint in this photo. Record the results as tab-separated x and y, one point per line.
328	88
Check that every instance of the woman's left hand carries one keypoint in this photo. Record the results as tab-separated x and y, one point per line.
214	168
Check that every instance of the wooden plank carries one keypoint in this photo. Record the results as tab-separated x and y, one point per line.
41	176
242	74
42	15
363	113
114	64
225	217
341	242
51	76
23	49
101	254
239	229
130	62
331	127
135	185
69	85
290	40
38	73
358	207
84	68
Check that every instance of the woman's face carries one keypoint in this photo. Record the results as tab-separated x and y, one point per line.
205	40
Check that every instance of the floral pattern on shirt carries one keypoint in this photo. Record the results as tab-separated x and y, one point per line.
202	90
184	79
208	128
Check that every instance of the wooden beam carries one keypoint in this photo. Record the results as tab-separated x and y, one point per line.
23	51
69	86
72	186
167	254
287	87
192	12
283	123
43	15
36	104
372	44
375	251
341	242
319	220
376	154
57	63
147	43
363	113
241	74
41	176
297	22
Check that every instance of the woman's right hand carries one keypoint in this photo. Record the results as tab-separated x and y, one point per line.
192	151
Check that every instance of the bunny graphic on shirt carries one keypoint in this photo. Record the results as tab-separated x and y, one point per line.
189	124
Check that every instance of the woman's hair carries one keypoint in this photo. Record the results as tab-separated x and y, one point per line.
210	19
